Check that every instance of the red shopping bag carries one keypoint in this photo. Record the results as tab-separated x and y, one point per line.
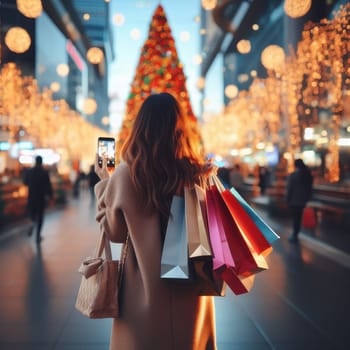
246	225
238	284
309	218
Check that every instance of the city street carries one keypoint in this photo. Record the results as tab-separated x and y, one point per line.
302	302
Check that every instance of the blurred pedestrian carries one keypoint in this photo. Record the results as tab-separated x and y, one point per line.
80	176
158	161
39	190
299	192
263	179
93	179
236	178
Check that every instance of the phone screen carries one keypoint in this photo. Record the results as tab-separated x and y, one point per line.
106	148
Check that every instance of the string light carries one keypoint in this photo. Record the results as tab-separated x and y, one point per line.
118	19
49	123
62	70
231	91
55	86
297	8
89	106
17	40
272	57
30	8
209	4
243	46
95	55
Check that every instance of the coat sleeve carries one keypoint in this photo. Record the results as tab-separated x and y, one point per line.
110	214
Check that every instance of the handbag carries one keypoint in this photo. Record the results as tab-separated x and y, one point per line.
174	260
99	288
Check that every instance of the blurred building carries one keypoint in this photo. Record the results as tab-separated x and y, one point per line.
60	40
259	24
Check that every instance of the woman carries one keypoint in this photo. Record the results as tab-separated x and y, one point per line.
158	160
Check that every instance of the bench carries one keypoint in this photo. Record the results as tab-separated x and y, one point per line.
332	203
323	210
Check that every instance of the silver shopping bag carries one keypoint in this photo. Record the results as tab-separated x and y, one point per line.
174	261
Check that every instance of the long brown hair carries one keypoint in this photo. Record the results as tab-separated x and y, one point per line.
160	153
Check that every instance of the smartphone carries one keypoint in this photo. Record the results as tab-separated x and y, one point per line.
106	148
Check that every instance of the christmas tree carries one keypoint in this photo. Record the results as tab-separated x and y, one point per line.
158	70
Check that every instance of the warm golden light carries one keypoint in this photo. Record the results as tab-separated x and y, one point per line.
86	16
185	36
48	122
200	83
297	8
243	46
105	120
55	86
135	34
118	19
89	106
62	69
242	78
255	27
17	40
273	57
231	91
209	4
30	8
197	59
95	55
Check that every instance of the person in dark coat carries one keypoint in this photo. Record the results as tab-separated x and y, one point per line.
39	188
299	192
263	179
93	179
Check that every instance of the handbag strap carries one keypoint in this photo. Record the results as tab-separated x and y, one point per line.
123	258
104	245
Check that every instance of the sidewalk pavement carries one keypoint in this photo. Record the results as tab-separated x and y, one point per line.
301	302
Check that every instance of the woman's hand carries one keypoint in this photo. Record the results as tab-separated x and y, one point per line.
102	172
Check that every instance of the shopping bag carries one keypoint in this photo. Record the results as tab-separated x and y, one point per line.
206	280
174	260
246	260
246	224
221	251
196	226
309	218
264	228
238	284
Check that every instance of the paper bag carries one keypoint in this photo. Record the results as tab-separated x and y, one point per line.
174	260
196	226
265	229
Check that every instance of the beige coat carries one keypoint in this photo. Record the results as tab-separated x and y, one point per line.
156	314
